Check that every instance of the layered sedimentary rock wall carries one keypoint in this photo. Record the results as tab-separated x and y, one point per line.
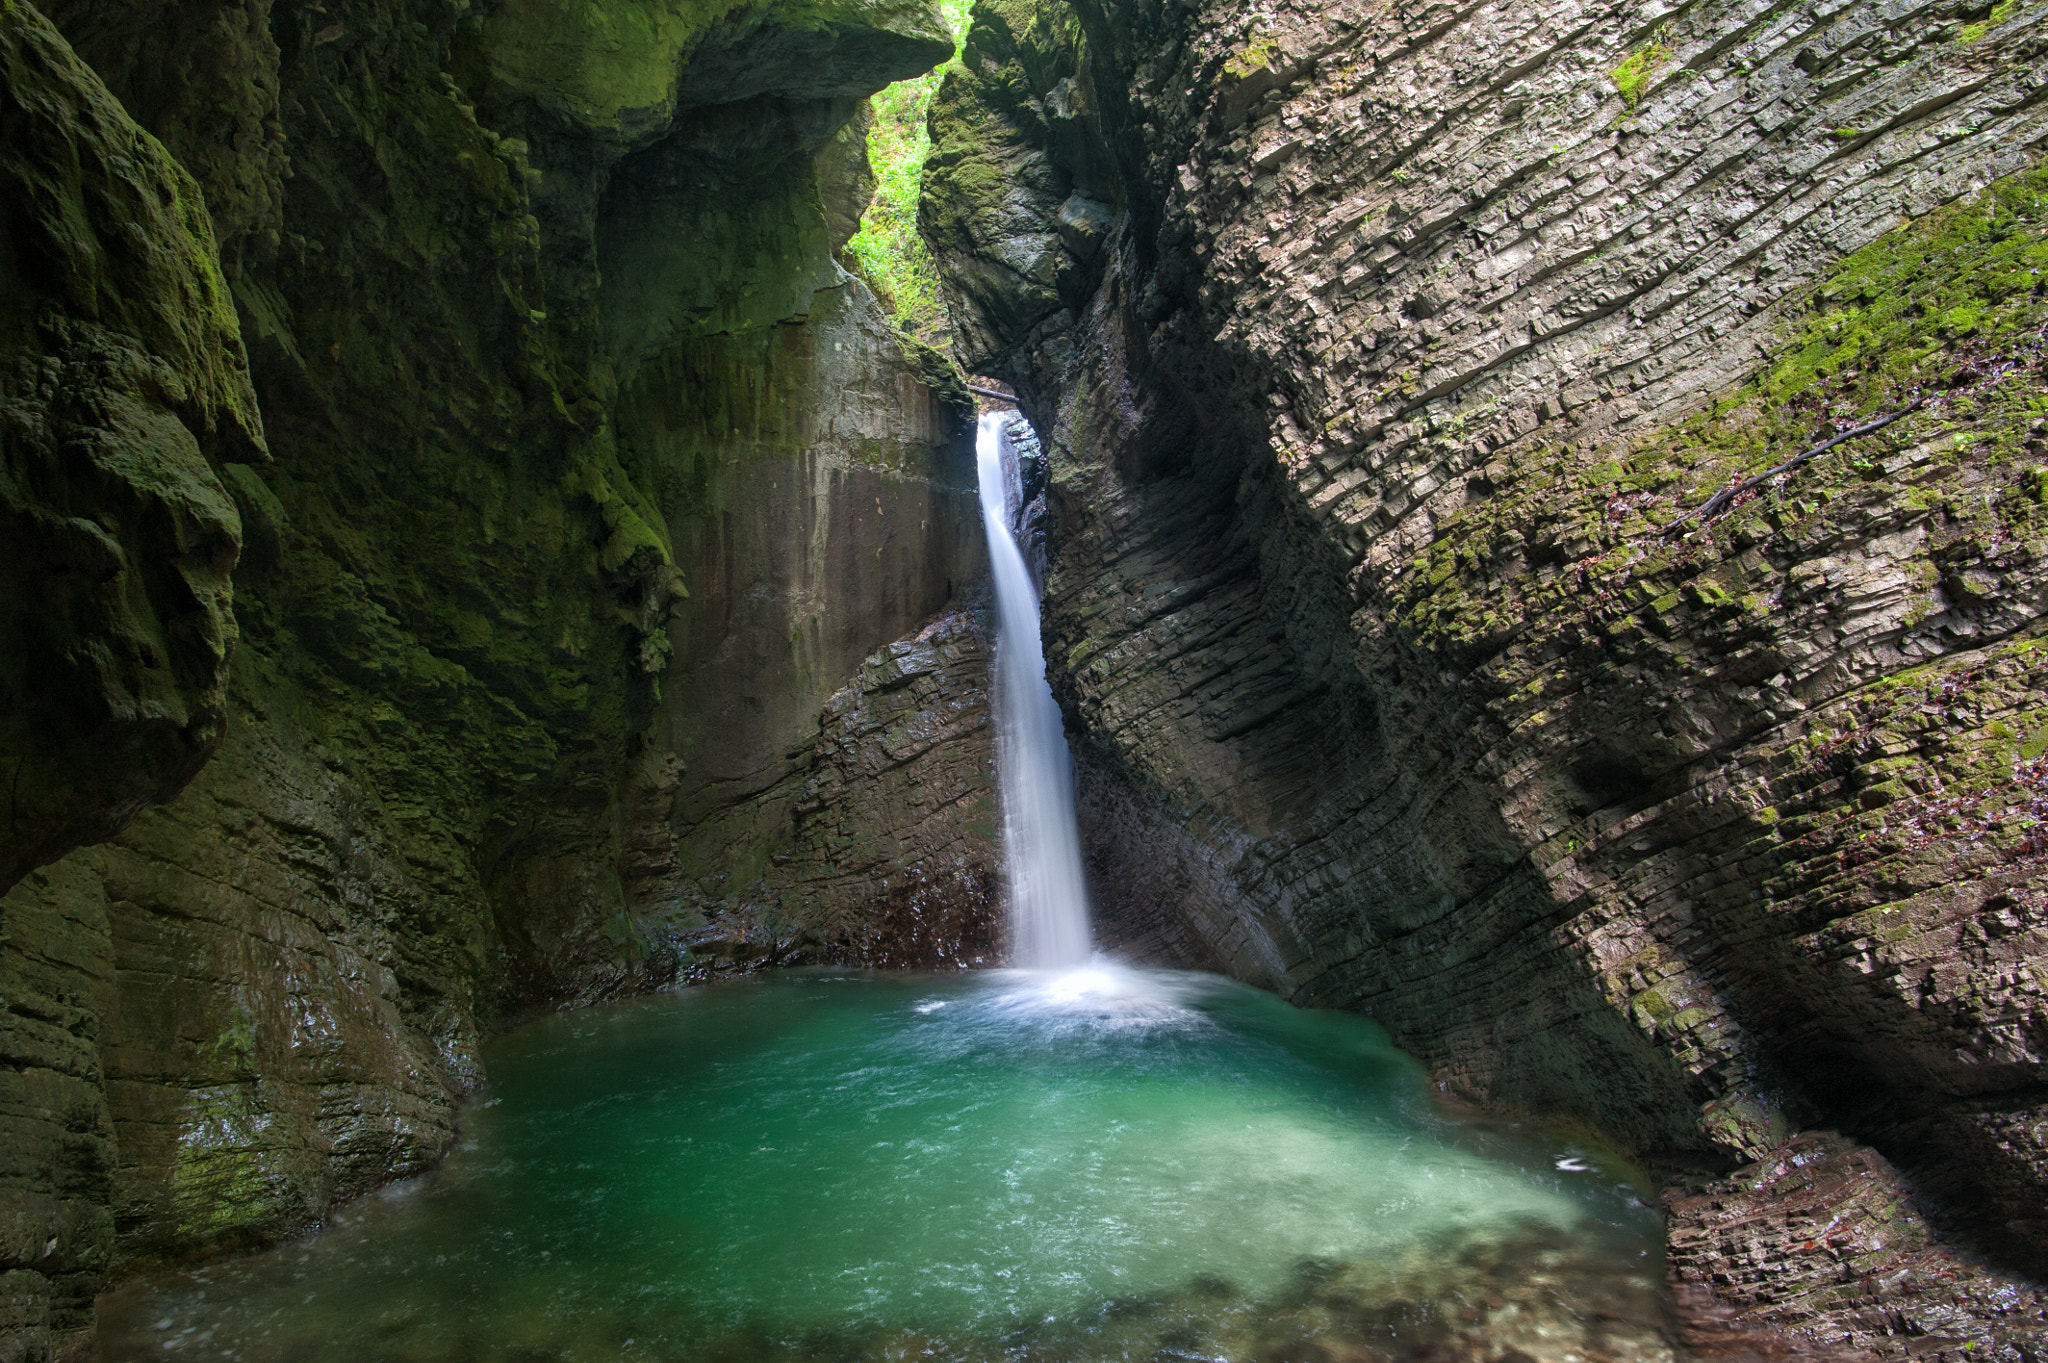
1381	351
407	431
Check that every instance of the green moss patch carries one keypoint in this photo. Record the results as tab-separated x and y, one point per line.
1971	33
887	251
1635	75
1578	571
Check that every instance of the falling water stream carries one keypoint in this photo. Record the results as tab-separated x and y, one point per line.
1071	1163
1042	837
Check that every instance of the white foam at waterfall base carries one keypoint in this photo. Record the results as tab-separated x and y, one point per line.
1041	838
1100	999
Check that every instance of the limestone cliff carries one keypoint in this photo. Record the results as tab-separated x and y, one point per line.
1382	353
534	296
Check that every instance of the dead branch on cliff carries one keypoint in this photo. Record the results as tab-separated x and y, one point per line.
1721	500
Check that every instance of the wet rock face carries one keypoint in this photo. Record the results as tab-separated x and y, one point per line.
1409	336
898	860
266	1045
207	84
122	380
1824	1237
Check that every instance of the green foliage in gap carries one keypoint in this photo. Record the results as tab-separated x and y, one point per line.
1970	33
887	250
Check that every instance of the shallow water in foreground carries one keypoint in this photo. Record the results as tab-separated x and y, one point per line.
1002	1165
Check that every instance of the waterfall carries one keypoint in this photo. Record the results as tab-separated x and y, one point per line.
1042	841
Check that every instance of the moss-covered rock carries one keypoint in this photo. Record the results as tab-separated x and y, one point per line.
627	67
206	84
122	383
123	376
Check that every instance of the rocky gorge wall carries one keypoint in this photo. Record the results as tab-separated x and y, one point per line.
1381	351
383	450
828	504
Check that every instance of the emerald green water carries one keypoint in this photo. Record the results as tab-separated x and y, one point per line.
1105	1164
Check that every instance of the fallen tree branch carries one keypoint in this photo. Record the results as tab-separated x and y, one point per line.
1719	502
1010	398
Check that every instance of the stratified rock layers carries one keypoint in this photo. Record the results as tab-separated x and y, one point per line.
871	839
1375	350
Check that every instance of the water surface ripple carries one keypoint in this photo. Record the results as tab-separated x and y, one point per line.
1018	1165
